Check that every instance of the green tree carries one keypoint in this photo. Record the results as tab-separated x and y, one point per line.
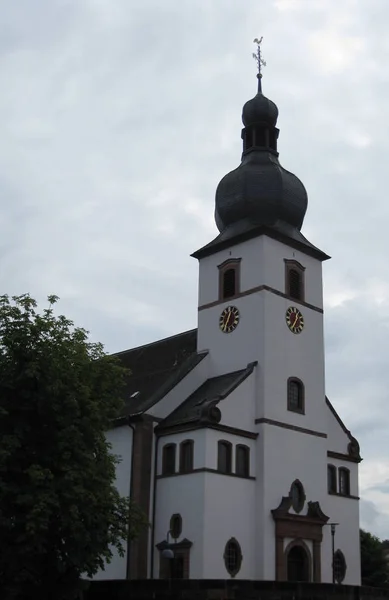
374	567
61	516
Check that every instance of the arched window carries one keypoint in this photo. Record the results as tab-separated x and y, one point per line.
296	395
242	460
340	566
331	479
344	481
224	456
294	279
169	459
186	456
233	557
229	275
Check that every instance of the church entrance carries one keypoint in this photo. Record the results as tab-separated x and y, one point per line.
298	564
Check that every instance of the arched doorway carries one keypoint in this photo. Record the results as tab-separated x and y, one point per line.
298	564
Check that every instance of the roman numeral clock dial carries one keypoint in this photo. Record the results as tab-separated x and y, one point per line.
294	319
229	319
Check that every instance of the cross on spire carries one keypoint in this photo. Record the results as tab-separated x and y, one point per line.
260	62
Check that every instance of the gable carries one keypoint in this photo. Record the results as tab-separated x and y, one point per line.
201	407
339	438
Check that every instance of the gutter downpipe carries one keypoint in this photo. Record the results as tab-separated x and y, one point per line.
128	567
154	508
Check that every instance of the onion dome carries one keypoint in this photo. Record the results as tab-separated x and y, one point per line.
260	196
259	110
260	191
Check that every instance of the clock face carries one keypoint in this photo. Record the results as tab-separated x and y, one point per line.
294	319
229	319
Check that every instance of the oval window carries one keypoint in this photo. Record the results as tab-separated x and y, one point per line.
233	557
297	496
340	566
175	526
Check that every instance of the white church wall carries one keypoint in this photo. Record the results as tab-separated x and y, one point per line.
183	494
229	511
250	253
182	390
238	409
274	269
338	439
262	263
285	354
288	455
121	440
247	337
345	512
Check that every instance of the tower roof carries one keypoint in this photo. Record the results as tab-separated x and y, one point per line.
260	194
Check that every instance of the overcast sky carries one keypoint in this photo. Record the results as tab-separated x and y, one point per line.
118	118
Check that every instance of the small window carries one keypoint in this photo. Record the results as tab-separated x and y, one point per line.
176	526
295	284
331	479
297	496
295	395
340	566
224	457
229	273
344	481
229	283
242	463
186	456
294	279
232	557
169	459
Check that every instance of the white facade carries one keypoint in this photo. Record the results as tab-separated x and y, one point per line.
121	439
284	446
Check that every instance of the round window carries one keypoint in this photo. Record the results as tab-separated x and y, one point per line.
297	496
340	566
233	557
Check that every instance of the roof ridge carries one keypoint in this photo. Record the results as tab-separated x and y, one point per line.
155	343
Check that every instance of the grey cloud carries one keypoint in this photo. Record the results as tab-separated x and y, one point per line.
119	119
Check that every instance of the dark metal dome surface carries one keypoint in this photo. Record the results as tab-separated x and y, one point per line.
261	191
259	109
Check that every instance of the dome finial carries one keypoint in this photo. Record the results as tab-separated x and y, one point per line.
260	62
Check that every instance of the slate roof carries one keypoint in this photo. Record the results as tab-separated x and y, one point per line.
199	406
156	368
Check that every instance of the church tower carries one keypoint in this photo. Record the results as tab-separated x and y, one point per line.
261	305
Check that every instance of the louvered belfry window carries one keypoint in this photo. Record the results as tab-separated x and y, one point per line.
294	280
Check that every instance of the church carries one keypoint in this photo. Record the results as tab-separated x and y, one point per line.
228	441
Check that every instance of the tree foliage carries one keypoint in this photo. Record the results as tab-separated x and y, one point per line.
374	567
60	513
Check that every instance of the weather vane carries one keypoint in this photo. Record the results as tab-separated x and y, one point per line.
259	60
